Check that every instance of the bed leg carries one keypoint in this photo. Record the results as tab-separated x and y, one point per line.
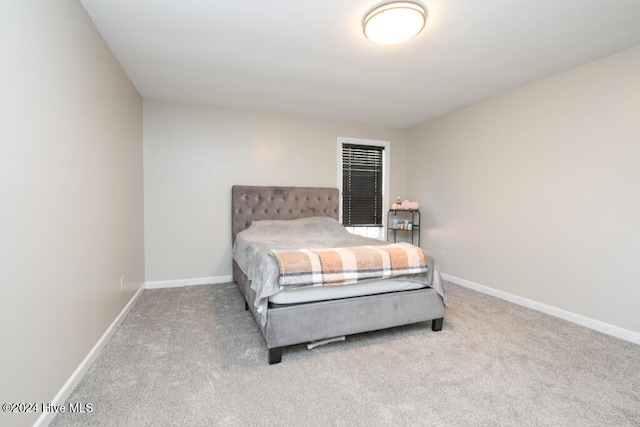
275	355
436	324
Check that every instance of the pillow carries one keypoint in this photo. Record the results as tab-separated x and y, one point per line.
310	224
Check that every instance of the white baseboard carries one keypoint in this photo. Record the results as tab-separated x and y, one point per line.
587	322
213	280
64	393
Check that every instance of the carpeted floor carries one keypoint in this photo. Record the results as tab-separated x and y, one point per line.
194	357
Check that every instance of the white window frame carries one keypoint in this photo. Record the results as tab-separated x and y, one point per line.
375	232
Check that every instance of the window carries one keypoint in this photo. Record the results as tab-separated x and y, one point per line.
362	185
363	182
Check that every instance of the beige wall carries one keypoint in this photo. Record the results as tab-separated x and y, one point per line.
193	155
536	192
71	219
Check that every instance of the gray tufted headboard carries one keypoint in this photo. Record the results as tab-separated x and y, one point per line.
252	203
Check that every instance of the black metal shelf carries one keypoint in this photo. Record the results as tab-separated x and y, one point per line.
412	229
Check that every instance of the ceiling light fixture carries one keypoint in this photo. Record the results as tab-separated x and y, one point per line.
394	22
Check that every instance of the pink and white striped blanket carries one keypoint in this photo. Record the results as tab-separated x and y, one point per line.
337	266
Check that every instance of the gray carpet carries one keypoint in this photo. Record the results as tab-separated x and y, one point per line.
194	357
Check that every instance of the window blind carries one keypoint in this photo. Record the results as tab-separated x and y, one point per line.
362	171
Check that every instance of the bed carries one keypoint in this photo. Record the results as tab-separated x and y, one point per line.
271	223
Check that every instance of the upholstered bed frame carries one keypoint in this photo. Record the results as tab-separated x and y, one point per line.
296	324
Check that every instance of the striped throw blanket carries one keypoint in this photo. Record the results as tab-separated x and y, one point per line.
333	266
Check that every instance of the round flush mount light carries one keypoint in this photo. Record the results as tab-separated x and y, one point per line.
394	22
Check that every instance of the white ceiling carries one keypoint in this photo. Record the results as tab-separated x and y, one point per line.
310	58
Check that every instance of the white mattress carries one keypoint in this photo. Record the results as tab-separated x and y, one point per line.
321	293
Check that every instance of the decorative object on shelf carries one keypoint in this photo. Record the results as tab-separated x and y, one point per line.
397	204
410	205
407	205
